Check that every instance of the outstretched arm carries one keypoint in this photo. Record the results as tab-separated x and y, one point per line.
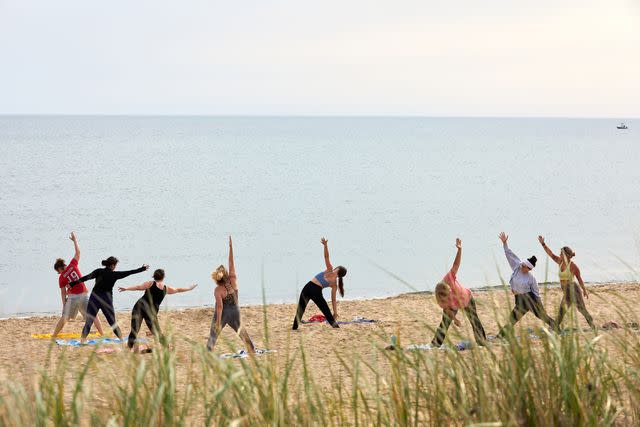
171	290
327	262
63	295
553	256
74	239
512	258
576	272
233	278
452	315
218	310
89	276
141	287
456	261
123	274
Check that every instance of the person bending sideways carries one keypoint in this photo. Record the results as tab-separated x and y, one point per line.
102	295
227	311
329	278
75	299
525	288
572	293
451	296
147	307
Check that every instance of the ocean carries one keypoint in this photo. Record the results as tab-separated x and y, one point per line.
390	195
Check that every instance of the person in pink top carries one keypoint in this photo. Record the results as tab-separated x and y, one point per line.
451	296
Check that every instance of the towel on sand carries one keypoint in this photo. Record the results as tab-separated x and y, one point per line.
101	341
63	335
241	354
461	346
319	318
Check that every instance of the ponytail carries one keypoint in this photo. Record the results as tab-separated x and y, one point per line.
341	273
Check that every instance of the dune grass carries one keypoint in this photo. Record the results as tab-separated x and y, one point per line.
568	380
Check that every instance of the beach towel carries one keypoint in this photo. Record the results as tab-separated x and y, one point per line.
63	335
241	354
356	320
461	346
101	341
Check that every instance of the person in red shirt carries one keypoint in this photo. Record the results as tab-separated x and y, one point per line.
74	299
451	296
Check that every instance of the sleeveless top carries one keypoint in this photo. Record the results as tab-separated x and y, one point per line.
566	275
232	295
153	295
320	278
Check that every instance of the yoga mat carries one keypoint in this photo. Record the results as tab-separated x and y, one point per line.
356	320
242	354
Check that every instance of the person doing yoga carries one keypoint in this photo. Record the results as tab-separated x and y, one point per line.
227	311
451	296
329	278
572	293
525	288
74	299
147	307
102	295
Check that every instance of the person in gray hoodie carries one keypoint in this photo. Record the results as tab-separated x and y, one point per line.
525	288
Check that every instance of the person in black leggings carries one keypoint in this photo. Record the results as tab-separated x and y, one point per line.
102	295
330	278
147	307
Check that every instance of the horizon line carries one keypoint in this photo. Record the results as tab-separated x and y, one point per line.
311	116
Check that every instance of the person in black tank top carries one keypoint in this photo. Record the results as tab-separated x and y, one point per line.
147	307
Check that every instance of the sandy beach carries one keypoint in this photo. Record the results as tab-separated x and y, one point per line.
408	316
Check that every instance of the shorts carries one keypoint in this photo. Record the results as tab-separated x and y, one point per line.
75	303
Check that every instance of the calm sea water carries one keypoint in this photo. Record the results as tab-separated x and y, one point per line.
386	192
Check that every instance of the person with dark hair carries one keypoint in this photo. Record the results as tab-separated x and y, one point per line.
227	311
329	278
75	299
102	295
525	288
147	307
451	296
572	294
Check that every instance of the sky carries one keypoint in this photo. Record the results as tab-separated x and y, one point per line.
433	58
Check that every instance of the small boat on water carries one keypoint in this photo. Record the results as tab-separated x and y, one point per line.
622	126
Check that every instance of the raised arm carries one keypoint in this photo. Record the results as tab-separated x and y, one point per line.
89	276
122	274
512	258
74	239
171	290
327	262
233	278
456	261
553	256
576	272
141	287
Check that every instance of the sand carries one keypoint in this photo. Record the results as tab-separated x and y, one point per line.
408	316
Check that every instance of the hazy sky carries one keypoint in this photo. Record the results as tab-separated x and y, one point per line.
465	57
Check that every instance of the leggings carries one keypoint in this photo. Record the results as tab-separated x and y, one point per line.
524	303
472	314
313	292
230	316
101	301
573	295
143	311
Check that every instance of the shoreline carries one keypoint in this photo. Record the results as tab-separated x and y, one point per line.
480	289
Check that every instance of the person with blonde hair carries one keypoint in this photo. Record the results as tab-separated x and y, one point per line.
572	293
451	296
227	311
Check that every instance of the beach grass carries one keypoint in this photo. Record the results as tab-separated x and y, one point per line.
530	378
